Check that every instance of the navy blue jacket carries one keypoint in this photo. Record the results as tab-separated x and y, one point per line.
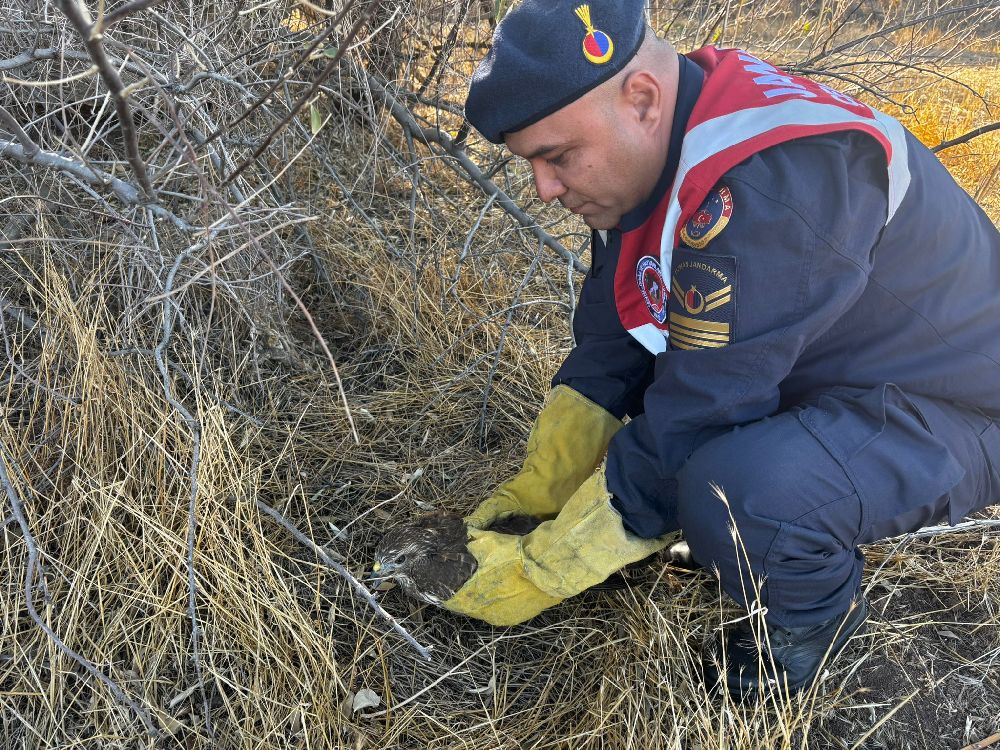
825	294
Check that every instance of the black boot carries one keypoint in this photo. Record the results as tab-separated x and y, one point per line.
786	658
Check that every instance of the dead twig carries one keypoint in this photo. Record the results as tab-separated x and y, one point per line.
981	523
967	137
79	16
983	744
34	566
344	573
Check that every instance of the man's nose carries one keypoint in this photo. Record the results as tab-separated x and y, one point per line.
547	184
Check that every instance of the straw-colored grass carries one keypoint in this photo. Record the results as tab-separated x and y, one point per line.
444	358
951	109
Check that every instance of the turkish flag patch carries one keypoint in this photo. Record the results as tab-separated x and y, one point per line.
710	219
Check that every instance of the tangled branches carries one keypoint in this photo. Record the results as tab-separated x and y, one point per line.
252	259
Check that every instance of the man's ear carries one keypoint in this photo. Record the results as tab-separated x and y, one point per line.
642	95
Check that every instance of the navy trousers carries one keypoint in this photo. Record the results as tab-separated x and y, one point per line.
804	488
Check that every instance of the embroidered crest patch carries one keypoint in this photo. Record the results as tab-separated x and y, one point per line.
710	219
654	291
597	46
702	301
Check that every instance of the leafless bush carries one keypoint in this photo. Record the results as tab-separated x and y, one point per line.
252	259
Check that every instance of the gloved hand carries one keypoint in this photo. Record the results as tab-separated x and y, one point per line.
518	577
567	442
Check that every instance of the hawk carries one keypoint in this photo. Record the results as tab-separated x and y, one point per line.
430	560
429	557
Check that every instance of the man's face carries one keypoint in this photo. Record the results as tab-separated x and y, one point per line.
592	157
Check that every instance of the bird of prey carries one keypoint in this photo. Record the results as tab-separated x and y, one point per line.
429	557
430	560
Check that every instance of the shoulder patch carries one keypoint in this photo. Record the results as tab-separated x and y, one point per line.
702	301
650	282
710	219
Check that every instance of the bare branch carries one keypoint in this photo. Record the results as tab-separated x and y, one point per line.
884	32
311	92
122	12
465	165
967	137
344	573
33	566
124	191
78	15
29	146
446	50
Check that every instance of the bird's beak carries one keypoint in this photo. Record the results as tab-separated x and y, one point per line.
379	578
379	572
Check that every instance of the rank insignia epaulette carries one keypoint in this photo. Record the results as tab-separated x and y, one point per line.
702	301
710	219
597	46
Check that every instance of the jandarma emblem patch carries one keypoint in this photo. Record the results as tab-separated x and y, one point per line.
702	307
597	46
654	291
710	219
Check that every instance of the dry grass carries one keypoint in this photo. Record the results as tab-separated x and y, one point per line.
443	362
953	108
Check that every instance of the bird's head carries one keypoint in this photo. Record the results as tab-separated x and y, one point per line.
396	554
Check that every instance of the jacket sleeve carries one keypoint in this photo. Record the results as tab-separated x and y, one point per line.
607	365
797	252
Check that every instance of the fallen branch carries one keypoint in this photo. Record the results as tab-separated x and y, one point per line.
29	601
927	531
983	744
344	573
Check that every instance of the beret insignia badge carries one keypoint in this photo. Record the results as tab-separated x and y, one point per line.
710	219
597	46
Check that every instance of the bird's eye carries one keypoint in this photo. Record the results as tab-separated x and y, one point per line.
401	559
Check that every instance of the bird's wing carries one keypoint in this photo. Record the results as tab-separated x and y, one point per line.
439	576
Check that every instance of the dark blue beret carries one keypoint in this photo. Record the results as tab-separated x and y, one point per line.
548	53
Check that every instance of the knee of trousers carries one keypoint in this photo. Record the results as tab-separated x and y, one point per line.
739	490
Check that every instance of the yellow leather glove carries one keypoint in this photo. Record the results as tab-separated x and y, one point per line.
567	442
518	577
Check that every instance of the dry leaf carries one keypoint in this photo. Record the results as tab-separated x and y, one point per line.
489	688
365	698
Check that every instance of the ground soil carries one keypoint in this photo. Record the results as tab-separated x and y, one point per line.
928	644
